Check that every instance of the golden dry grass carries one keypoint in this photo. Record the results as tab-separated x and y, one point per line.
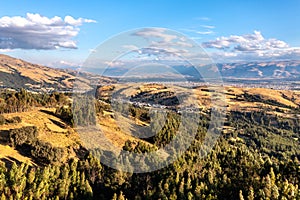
35	72
48	131
9	153
205	99
41	74
47	126
116	129
119	130
284	97
271	94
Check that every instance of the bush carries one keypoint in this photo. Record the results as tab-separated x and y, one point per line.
26	138
46	153
24	135
65	113
17	119
14	120
2	120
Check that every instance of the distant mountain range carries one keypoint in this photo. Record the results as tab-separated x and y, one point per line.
251	70
228	71
16	73
275	69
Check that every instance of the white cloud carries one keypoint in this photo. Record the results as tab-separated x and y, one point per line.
248	42
114	63
251	47
5	50
39	32
67	44
208	26
159	33
77	22
260	73
204	32
63	64
161	42
130	47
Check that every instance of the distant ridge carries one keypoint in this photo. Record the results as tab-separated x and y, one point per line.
271	69
251	70
16	73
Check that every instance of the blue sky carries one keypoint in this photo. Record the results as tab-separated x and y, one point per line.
228	30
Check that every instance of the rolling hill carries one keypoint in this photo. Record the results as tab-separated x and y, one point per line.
120	127
17	73
260	134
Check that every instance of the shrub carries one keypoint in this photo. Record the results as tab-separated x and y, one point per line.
14	120
46	153
17	119
2	120
65	113
24	135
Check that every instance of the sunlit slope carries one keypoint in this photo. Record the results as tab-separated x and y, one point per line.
117	128
17	73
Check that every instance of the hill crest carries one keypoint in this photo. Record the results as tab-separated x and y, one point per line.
16	73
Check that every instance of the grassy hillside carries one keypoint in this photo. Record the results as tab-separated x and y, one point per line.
17	73
50	128
256	157
119	128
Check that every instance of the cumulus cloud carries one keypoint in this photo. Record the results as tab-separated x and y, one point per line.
39	32
247	42
77	22
251	47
